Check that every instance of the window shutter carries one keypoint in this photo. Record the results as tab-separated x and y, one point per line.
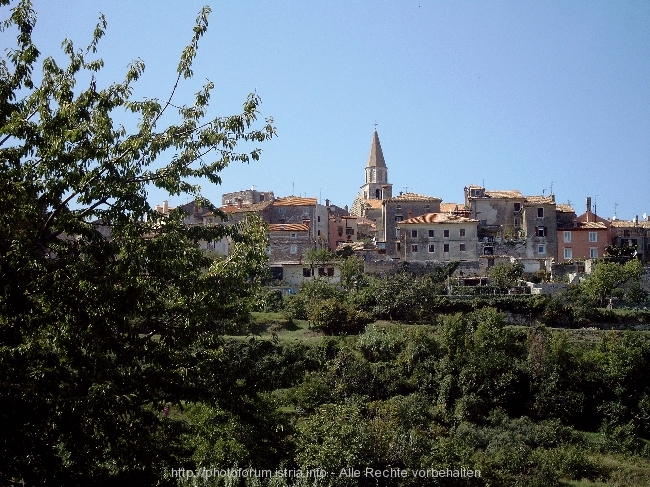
545	231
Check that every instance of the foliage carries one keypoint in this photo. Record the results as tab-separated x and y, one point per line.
98	334
608	276
506	274
352	273
315	257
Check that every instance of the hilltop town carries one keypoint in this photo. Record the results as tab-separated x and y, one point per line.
485	228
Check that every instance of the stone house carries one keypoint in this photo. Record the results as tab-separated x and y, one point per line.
295	209
514	225
397	209
439	237
633	233
288	243
246	197
342	229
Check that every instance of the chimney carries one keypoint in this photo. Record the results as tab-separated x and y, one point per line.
636	220
239	202
327	202
165	207
588	204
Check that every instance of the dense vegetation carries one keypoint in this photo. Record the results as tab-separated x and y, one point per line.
525	406
116	367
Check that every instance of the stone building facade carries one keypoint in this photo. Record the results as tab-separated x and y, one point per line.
288	243
246	197
397	209
439	237
342	229
295	209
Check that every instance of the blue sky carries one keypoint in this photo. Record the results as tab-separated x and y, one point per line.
515	95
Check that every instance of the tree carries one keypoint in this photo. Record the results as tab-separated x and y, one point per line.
607	276
98	335
506	275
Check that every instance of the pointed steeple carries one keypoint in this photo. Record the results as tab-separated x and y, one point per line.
376	158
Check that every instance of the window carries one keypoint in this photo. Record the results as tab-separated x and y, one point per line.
318	218
306	272
445	248
305	211
540	232
445	233
462	232
540	212
294	235
321	272
517	206
541	249
432	248
399	218
378	194
516	222
593	237
430	233
399	208
381	245
568	254
281	210
427	208
399	247
414	247
330	272
293	249
567	237
462	248
414	234
593	253
398	232
349	231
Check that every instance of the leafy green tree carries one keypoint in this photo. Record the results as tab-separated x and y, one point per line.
98	335
506	275
352	273
608	276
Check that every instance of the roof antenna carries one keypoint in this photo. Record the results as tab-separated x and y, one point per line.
552	186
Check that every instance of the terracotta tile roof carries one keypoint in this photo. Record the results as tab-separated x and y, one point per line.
245	208
437	218
591	226
630	224
413	197
288	227
503	194
539	200
451	207
376	204
564	208
365	221
295	201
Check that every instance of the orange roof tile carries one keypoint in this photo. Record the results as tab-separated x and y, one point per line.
504	194
288	227
450	207
376	204
564	208
437	218
590	226
539	200
295	201
413	197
